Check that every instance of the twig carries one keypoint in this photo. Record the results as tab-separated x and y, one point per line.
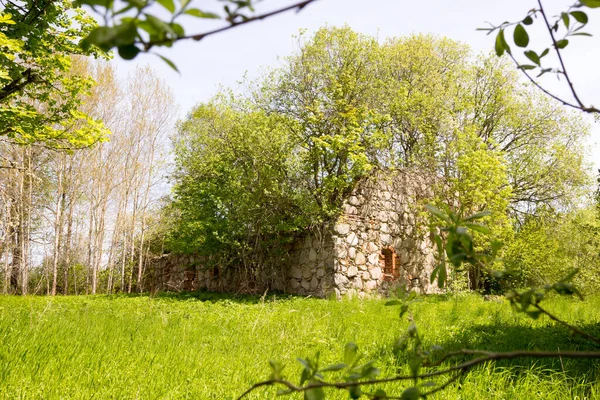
560	59
573	328
297	6
463	367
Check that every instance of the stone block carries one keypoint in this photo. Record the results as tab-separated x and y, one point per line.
371	285
305	284
341	228
385	238
354	201
352	239
375	273
320	272
312	255
352	272
295	272
314	283
352	253
382	216
373	259
351	210
340	280
307	273
360	259
294	283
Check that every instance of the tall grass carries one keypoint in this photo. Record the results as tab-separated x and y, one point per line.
214	347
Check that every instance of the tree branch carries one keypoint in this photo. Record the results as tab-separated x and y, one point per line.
18	84
297	6
560	59
463	368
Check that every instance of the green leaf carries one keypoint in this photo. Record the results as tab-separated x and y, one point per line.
441	275
168	4
108	37
478	215
565	19
169	62
526	67
277	367
314	394
350	352
532	55
534	314
194	12
499	45
160	25
178	29
415	365
403	310
355	392
528	20
336	367
561	44
544	53
128	52
379	394
580	17
305	363
411	393
438	213
479	228
520	36
581	34
394	303
591	3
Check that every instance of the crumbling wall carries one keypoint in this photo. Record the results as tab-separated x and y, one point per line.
311	264
384	212
383	217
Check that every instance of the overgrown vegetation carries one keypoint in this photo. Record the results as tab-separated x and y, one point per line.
254	171
206	346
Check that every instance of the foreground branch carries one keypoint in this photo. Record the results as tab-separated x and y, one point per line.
461	368
199	36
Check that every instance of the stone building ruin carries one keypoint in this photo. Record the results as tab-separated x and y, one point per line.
379	242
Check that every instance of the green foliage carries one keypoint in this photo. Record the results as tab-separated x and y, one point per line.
135	26
40	94
237	195
559	29
549	245
254	171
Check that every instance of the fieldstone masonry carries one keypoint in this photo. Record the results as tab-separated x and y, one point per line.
379	242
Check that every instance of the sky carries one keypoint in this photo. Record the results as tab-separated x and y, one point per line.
224	59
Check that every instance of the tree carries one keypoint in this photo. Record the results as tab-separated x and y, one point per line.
344	105
40	96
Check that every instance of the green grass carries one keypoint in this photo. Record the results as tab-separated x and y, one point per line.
214	347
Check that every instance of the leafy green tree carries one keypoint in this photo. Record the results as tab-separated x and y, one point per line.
549	245
40	96
238	195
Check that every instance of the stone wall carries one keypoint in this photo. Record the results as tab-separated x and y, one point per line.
381	219
384	212
311	269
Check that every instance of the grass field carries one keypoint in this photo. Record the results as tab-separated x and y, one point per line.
214	347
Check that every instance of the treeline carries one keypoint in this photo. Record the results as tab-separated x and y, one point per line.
254	170
84	210
77	220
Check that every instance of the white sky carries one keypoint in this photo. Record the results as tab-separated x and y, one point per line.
223	59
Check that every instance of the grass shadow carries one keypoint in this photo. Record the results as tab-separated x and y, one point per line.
212	297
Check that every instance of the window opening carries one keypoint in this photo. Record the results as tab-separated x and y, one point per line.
388	261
